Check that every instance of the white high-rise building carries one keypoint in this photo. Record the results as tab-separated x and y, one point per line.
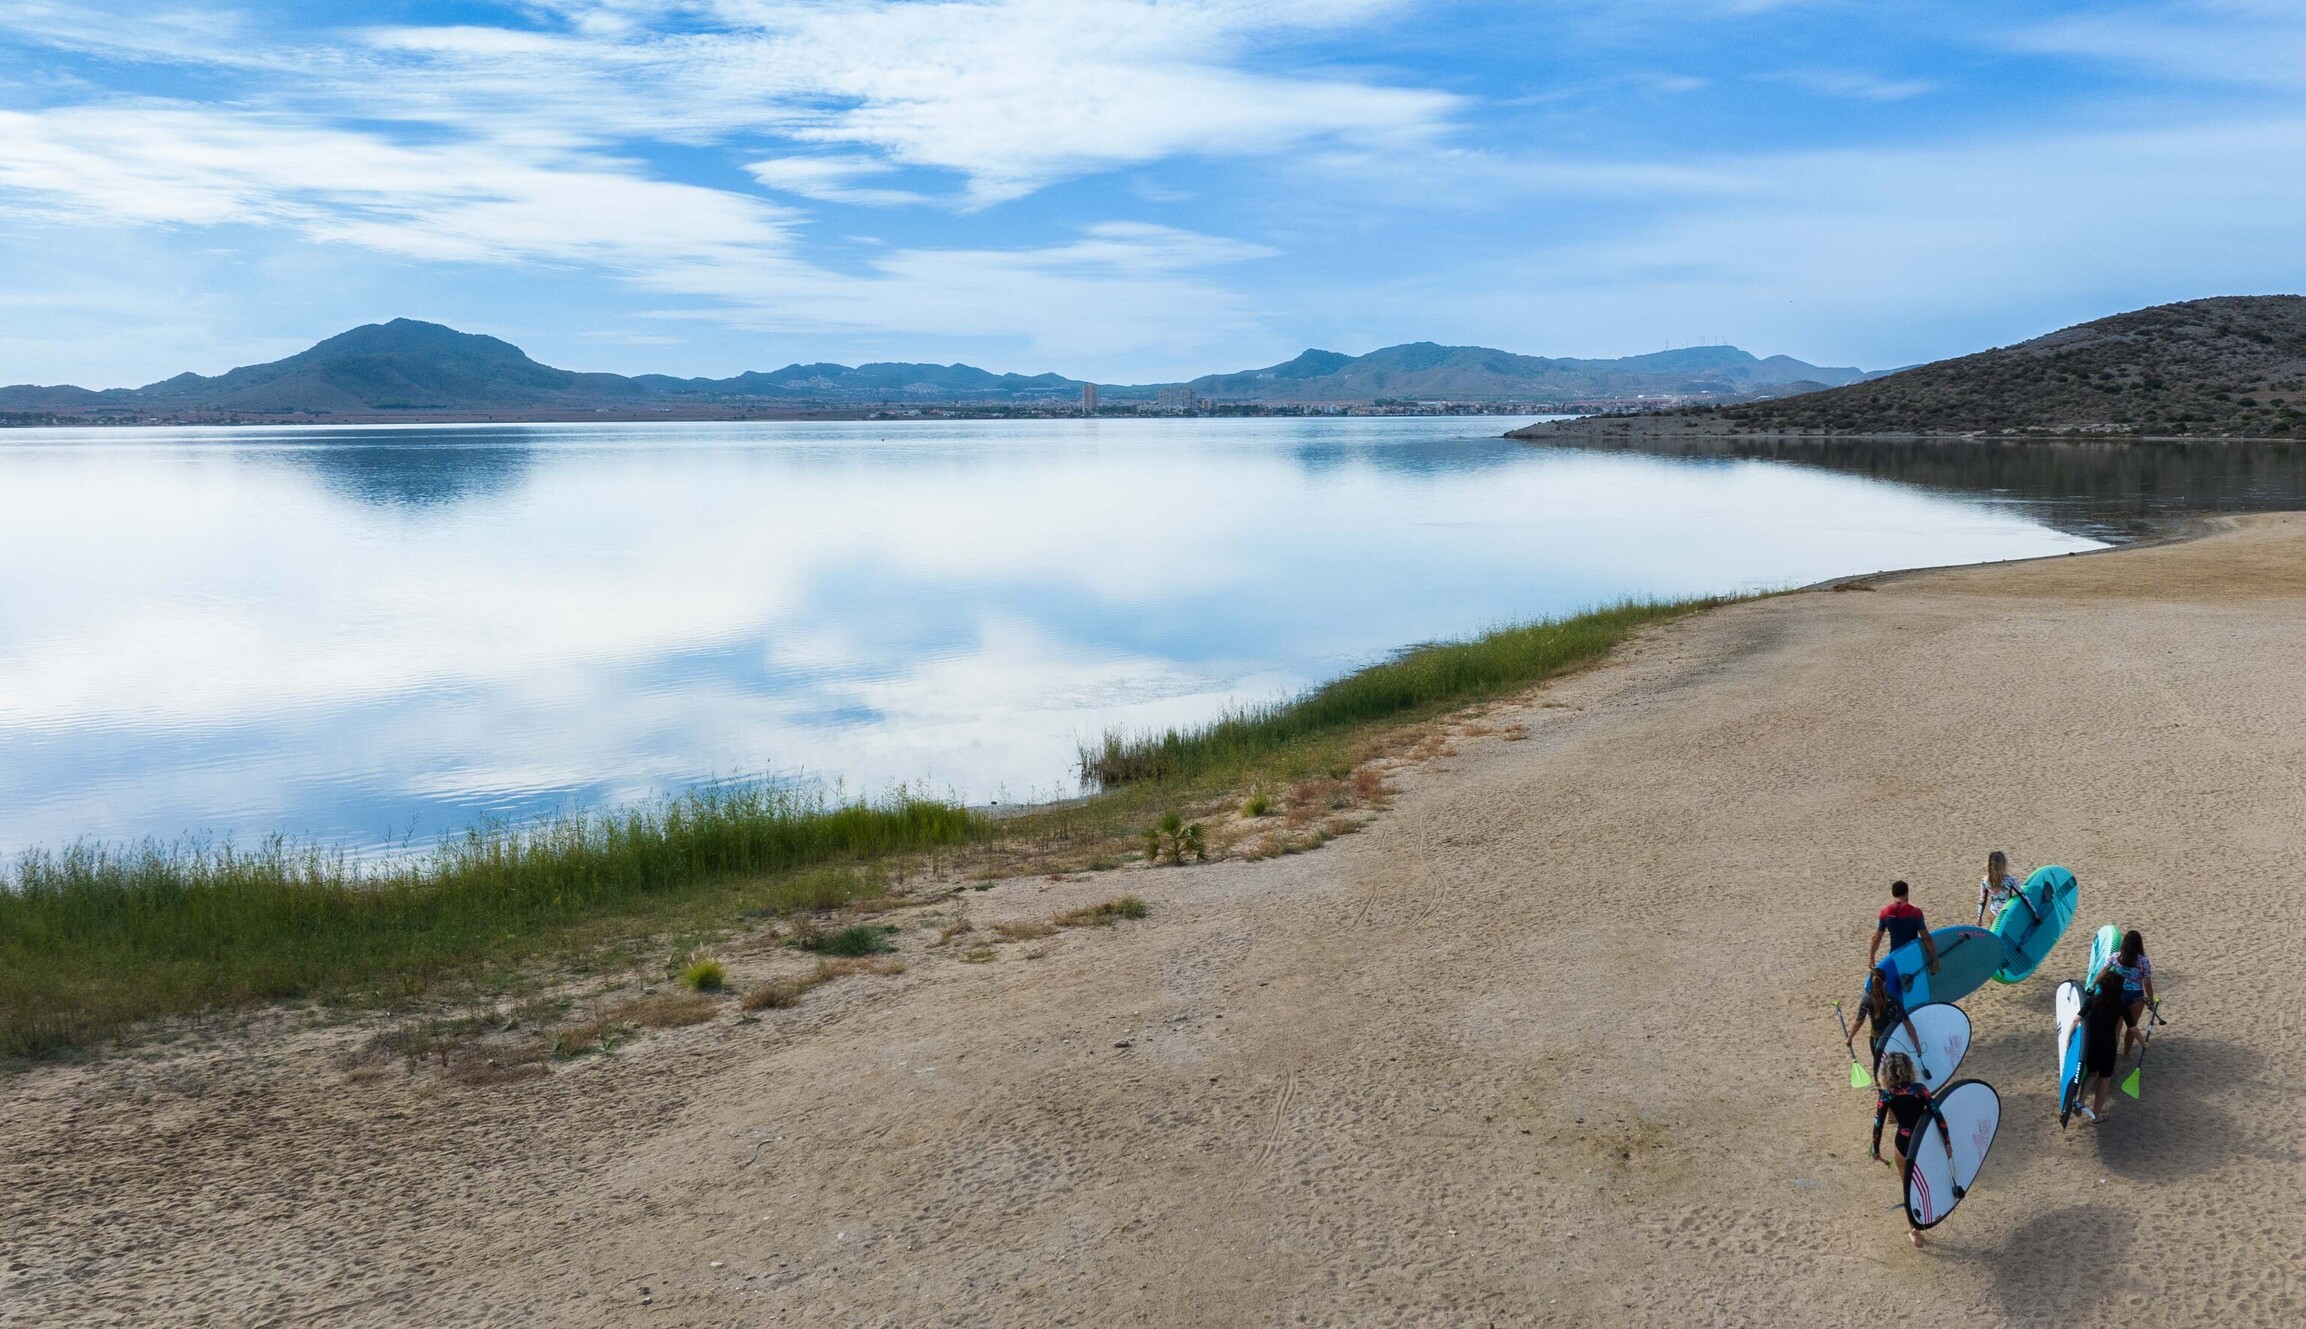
1088	399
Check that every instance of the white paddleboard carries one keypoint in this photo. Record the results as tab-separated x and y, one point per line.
1965	1116
1945	1033
2069	1049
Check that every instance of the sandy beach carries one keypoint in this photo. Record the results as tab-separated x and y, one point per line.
1548	1043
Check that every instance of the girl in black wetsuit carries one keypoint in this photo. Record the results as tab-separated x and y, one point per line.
2102	1012
1902	1095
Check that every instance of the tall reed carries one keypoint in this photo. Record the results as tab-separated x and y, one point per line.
1417	681
95	937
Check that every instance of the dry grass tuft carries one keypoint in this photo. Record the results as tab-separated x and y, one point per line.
979	955
599	1034
483	1065
829	970
773	996
1102	915
1514	733
786	992
958	927
668	1010
1024	930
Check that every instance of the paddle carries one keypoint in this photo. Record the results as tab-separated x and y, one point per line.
1860	1078
2131	1082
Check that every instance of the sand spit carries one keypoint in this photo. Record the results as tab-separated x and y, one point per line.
1549	1043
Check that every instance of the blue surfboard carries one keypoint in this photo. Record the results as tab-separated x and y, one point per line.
2069	1050
2031	923
1967	957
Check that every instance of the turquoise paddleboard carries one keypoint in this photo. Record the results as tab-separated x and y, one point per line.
2031	923
1967	957
2069	1050
2103	947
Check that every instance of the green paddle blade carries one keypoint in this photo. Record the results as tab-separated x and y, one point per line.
2130	1082
1860	1080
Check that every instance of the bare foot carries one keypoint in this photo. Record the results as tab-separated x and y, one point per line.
1914	1235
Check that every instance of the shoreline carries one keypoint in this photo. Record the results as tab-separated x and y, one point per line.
1548	1042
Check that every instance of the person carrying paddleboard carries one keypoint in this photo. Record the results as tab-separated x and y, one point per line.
1901	922
2136	975
1880	1008
1903	1095
2101	1026
1996	889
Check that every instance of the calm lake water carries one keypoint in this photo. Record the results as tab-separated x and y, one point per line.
372	637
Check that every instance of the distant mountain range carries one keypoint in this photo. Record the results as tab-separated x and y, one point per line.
2230	366
411	369
1423	370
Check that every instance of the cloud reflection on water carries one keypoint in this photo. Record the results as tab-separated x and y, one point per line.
253	632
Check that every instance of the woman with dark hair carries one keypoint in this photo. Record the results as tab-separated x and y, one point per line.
2101	1023
1996	889
2136	975
1879	1007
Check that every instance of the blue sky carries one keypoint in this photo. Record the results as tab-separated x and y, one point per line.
1128	190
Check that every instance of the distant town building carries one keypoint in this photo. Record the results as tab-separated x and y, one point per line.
1088	399
1179	398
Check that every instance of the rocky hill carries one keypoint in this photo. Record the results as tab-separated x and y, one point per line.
1426	371
2233	366
415	367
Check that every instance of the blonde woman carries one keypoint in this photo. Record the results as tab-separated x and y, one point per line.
1996	889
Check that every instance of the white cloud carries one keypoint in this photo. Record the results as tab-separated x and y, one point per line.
189	165
2249	42
1011	94
831	180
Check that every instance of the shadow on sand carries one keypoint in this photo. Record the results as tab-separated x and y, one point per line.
2060	1267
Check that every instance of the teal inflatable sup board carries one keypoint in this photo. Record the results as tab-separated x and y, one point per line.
1965	1117
2031	923
2069	1050
1967	957
2103	947
1945	1035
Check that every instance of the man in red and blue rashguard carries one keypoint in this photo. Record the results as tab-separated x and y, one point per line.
1901	922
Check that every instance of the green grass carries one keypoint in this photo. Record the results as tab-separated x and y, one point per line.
862	939
94	938
1419	682
704	976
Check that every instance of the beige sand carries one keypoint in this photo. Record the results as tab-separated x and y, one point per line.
1548	1044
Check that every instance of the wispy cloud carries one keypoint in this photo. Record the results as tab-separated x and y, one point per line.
1853	83
2250	42
190	165
832	180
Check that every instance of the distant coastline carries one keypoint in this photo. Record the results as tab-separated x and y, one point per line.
893	412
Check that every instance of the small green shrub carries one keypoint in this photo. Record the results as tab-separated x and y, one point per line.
705	976
1257	804
1173	838
863	939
